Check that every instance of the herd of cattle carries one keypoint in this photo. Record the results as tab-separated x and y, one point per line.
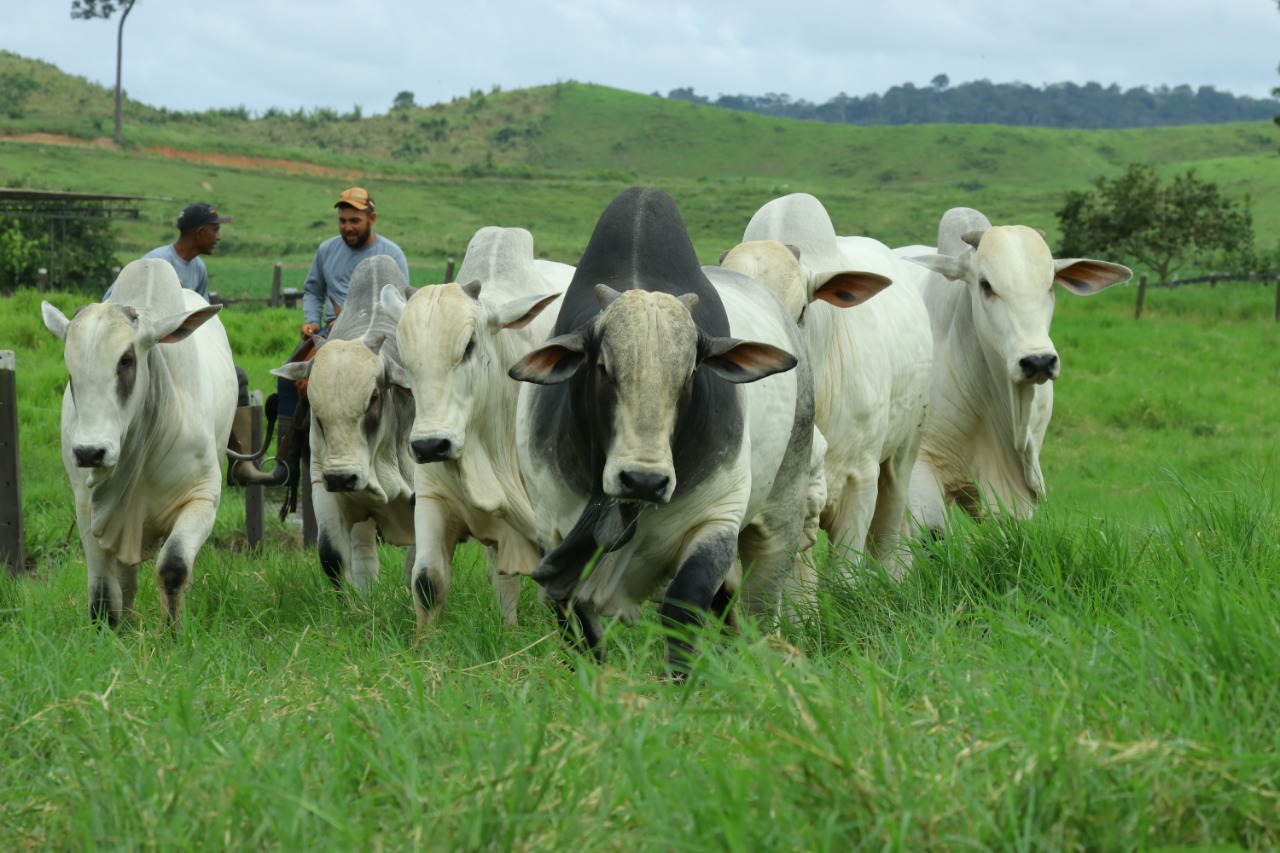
637	427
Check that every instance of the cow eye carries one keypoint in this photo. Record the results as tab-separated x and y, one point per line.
471	346
373	399
986	288
602	372
126	361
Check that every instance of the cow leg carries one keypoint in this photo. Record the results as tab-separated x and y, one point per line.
363	568
106	598
128	586
178	554
333	534
705	565
436	534
772	566
581	629
885	535
847	525
926	502
516	557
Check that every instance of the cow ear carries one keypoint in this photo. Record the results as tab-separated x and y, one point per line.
745	361
293	370
54	320
396	376
846	288
552	363
178	327
953	268
1084	277
392	302
519	313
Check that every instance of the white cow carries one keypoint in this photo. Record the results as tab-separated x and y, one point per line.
990	299
871	371
361	472
145	421
457	342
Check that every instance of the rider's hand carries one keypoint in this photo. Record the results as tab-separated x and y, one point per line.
309	329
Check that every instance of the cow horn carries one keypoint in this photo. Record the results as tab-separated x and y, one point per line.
973	238
689	300
472	289
605	295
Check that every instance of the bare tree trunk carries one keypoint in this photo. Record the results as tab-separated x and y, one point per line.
119	67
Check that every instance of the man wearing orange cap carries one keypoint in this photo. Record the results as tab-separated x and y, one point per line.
326	286
323	294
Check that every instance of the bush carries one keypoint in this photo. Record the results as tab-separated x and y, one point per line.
81	258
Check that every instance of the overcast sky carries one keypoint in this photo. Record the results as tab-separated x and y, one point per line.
292	54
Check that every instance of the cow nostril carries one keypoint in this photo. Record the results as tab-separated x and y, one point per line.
340	482
642	485
90	457
1041	366
431	449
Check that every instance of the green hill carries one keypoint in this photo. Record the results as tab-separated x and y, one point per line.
549	159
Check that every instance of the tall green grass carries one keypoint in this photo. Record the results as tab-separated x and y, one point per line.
1060	684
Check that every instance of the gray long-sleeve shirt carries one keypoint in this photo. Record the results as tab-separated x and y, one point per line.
326	284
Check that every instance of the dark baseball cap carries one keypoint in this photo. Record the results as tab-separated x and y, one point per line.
195	215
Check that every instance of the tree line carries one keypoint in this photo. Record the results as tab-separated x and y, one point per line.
1058	105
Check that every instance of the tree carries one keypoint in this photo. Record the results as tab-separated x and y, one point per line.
86	9
941	81
403	101
1161	226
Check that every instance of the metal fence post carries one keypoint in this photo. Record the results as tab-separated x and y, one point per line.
13	547
1142	296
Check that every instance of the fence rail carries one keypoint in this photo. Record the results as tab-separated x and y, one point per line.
1212	280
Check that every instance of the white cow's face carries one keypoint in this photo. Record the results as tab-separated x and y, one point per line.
1010	275
447	335
107	349
1010	279
347	392
445	346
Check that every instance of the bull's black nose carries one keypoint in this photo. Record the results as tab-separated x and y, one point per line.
1040	367
643	486
431	449
89	456
340	482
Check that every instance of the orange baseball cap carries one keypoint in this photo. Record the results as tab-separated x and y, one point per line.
357	197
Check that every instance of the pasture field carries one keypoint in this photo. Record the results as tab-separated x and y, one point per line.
1102	677
1099	678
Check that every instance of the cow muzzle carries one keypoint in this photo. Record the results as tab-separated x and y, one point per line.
434	449
640	484
91	456
342	481
1037	368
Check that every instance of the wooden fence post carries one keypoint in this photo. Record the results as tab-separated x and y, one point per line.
448	271
42	279
1142	296
277	298
255	498
13	547
1278	298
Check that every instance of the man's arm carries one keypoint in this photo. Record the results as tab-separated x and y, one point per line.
314	291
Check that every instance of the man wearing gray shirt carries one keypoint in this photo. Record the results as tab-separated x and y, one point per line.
199	230
323	294
325	289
